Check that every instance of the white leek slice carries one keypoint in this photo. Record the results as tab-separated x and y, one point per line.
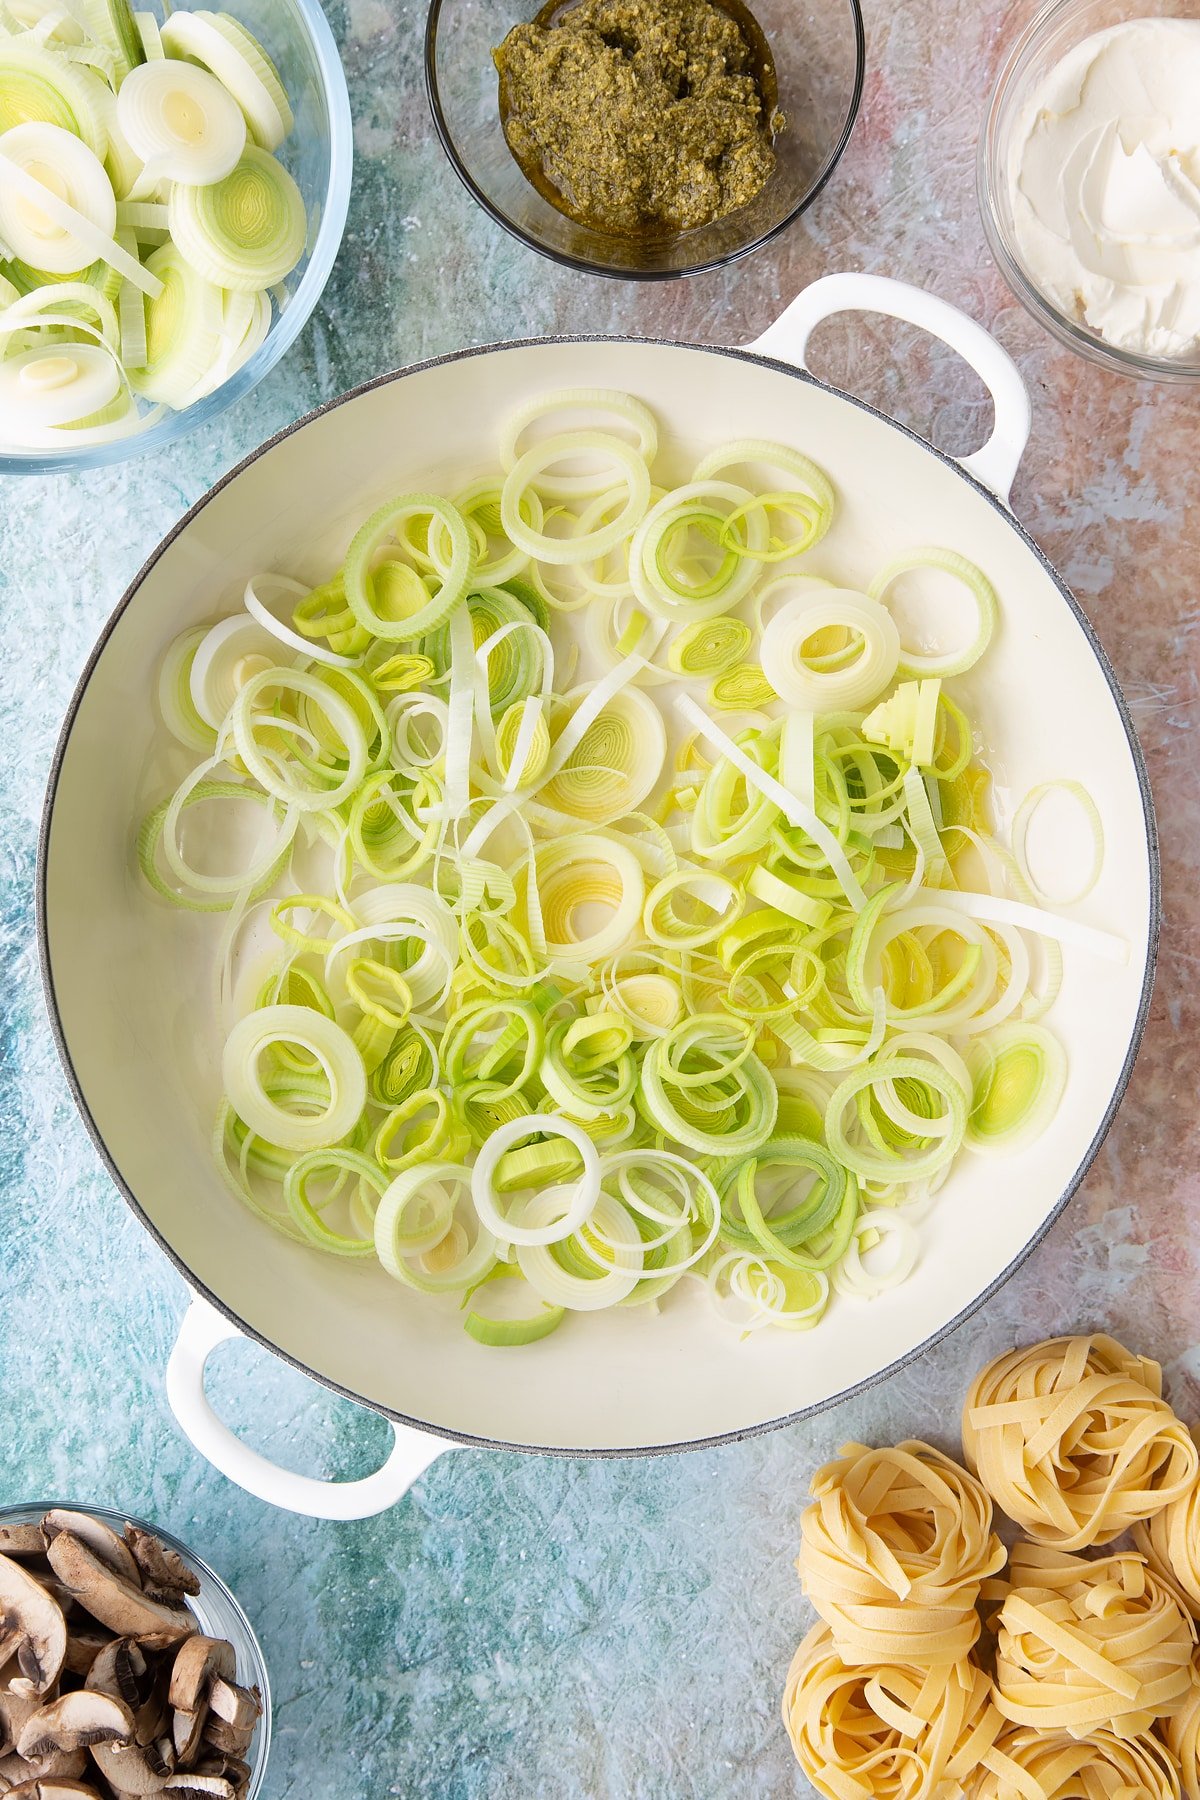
132	312
257	60
849	687
16	181
227	657
334	1049
202	37
573	1204
152	47
246	231
183	330
182	122
111	23
62	168
57	385
38	86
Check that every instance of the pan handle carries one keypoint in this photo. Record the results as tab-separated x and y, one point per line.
995	464
203	1328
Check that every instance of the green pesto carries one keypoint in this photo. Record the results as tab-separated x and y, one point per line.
641	117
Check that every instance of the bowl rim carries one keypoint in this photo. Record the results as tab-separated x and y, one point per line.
286	326
589	266
116	1517
988	182
740	1433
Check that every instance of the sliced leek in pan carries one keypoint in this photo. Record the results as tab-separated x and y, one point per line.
551	988
136	163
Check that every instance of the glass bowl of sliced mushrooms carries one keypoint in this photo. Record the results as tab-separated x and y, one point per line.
126	1665
174	185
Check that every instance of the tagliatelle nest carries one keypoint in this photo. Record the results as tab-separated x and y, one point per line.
1170	1542
893	1553
1032	1765
1081	1645
1181	1733
1073	1440
885	1732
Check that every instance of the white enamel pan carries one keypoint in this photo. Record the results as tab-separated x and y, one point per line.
128	980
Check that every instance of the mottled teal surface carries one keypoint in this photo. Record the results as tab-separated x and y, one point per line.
522	1628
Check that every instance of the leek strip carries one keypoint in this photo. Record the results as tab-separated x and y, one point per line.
793	809
996	909
460	715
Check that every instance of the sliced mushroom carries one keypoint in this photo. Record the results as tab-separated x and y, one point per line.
197	1787
65	1765
116	1602
84	1645
230	1768
100	1539
198	1663
22	1540
75	1722
129	1668
231	1740
187	1730
52	1787
14	1710
29	1610
164	1574
237	1706
135	1768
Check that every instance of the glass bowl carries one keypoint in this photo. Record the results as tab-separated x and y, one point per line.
319	153
217	1613
819	49
1055	30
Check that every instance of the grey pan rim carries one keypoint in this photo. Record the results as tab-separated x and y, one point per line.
743	1432
589	266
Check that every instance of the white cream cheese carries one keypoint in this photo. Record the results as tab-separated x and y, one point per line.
1104	184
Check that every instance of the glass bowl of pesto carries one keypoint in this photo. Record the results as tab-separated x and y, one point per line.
645	139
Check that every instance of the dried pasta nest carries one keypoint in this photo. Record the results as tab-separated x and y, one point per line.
1170	1542
894	1550
1181	1733
1033	1765
1083	1645
889	1731
1074	1441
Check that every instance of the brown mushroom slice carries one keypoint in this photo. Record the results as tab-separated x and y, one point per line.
52	1787
198	1663
100	1539
14	1710
75	1721
237	1706
26	1608
64	1765
164	1574
84	1644
130	1669
231	1740
22	1540
135	1768
116	1602
201	1787
187	1731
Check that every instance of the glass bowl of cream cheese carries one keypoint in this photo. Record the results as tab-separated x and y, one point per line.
1089	180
